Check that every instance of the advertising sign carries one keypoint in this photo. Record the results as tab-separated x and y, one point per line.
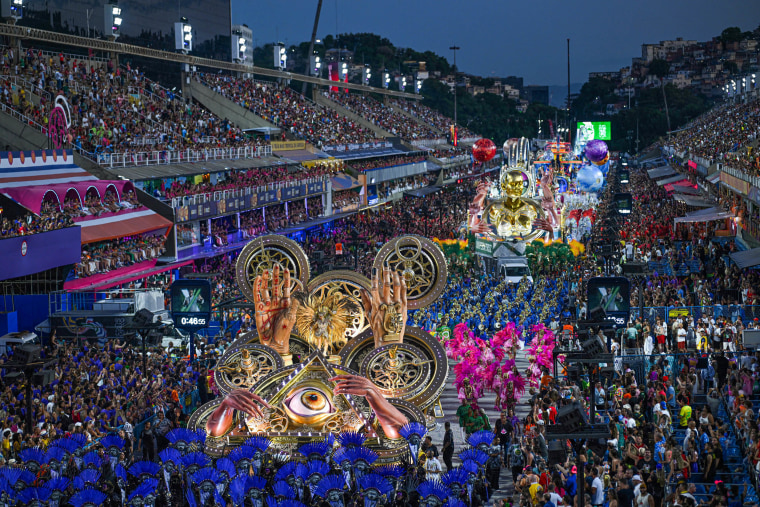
484	247
589	130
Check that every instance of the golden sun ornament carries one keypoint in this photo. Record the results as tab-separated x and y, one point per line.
322	320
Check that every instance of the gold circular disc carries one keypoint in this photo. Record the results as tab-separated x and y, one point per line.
421	262
263	254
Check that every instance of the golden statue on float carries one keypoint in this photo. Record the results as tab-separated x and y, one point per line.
331	354
505	212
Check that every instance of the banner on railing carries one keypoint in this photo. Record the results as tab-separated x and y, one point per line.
288	145
357	146
315	188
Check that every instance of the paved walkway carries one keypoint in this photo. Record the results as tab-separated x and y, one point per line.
450	403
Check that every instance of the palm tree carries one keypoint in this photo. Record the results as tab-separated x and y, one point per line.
661	68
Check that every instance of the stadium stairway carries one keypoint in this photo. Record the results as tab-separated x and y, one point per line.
450	403
225	108
324	101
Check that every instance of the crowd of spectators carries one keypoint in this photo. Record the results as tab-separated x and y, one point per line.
289	110
99	390
106	256
724	134
113	109
385	117
33	224
429	116
379	163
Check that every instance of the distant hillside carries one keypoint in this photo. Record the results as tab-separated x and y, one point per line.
558	93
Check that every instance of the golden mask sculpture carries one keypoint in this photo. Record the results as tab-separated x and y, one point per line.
330	354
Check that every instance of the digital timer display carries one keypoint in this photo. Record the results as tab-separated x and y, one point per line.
191	304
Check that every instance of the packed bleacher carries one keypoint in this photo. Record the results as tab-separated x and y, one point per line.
289	110
384	116
379	163
105	256
113	110
430	116
33	224
724	134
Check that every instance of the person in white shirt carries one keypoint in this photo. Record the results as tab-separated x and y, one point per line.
597	489
681	338
433	467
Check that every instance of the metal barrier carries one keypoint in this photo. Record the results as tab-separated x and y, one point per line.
745	313
147	158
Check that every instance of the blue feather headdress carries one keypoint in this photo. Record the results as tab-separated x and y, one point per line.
255	482
180	435
316	450
413	428
316	467
329	483
88	498
470	467
482	437
226	467
120	472
433	488
283	489
351	439
92	460
170	455
237	490
79	438
207	474
31	495
455	476
258	443
475	455
195	459
57	484
395	471
240	453
88	476
356	454
149	486
288	502
112	442
55	455
32	455
285	471
69	444
141	469
376	482
341	455
302	471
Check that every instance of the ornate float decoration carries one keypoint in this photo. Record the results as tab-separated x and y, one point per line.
330	355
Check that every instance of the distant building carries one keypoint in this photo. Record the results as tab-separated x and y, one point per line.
247	34
536	93
513	81
610	75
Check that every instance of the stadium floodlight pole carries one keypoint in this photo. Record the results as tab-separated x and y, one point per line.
311	43
455	49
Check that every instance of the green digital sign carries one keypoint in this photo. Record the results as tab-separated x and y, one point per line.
589	130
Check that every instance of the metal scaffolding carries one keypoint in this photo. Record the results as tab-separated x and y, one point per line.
22	32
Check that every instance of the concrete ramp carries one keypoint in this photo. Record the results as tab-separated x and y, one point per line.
225	108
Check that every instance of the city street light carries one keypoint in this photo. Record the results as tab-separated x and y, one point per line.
112	19
386	79
183	35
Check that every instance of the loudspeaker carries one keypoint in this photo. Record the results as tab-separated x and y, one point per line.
43	378
26	353
557	452
571	417
574	372
143	318
751	337
594	346
597	314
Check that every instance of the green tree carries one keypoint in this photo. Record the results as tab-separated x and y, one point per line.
731	34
